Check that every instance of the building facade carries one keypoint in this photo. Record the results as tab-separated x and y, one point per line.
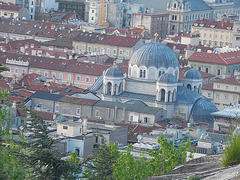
214	33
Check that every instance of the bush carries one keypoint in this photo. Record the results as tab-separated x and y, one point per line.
232	152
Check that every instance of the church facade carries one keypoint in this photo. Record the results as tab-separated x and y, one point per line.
153	80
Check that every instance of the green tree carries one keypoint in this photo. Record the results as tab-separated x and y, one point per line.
2	69
129	168
100	164
11	166
167	157
42	161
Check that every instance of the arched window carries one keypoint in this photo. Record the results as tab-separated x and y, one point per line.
120	88
169	96
109	88
115	89
160	73
141	73
162	94
144	73
189	86
195	88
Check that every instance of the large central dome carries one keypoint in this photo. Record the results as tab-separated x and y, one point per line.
154	54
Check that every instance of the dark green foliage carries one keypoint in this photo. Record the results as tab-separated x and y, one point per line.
100	165
43	162
232	152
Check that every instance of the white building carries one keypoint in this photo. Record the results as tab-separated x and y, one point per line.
153	80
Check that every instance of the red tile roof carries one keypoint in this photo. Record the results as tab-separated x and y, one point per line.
206	23
15	45
46	116
106	39
231	80
215	58
24	93
9	7
4	85
72	66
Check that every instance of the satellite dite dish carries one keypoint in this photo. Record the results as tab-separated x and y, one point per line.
139	137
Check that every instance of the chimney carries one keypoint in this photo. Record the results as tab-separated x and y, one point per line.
85	121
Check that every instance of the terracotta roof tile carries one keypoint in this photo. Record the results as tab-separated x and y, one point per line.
215	58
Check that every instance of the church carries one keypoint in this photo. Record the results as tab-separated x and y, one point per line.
153	80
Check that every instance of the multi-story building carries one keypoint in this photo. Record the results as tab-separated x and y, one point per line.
77	6
214	33
114	46
182	14
236	35
223	92
220	63
221	7
8	10
154	23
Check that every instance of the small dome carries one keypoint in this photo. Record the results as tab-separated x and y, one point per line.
156	55
201	111
167	79
114	71
192	74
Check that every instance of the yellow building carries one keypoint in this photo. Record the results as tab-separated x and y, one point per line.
214	33
223	92
222	62
114	46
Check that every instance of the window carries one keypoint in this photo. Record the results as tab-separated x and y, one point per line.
206	70
209	95
69	77
97	113
46	74
92	18
53	75
218	86
235	88
131	118
65	127
173	27
218	72
23	71
121	52
114	51
87	79
226	97
226	87
108	51
146	120
83	48
78	78
16	71
61	76
127	53
89	49
78	111
92	11
210	35
199	68
217	96
56	108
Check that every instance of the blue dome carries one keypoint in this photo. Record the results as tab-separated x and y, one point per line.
167	79
192	74
201	111
114	71
156	55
